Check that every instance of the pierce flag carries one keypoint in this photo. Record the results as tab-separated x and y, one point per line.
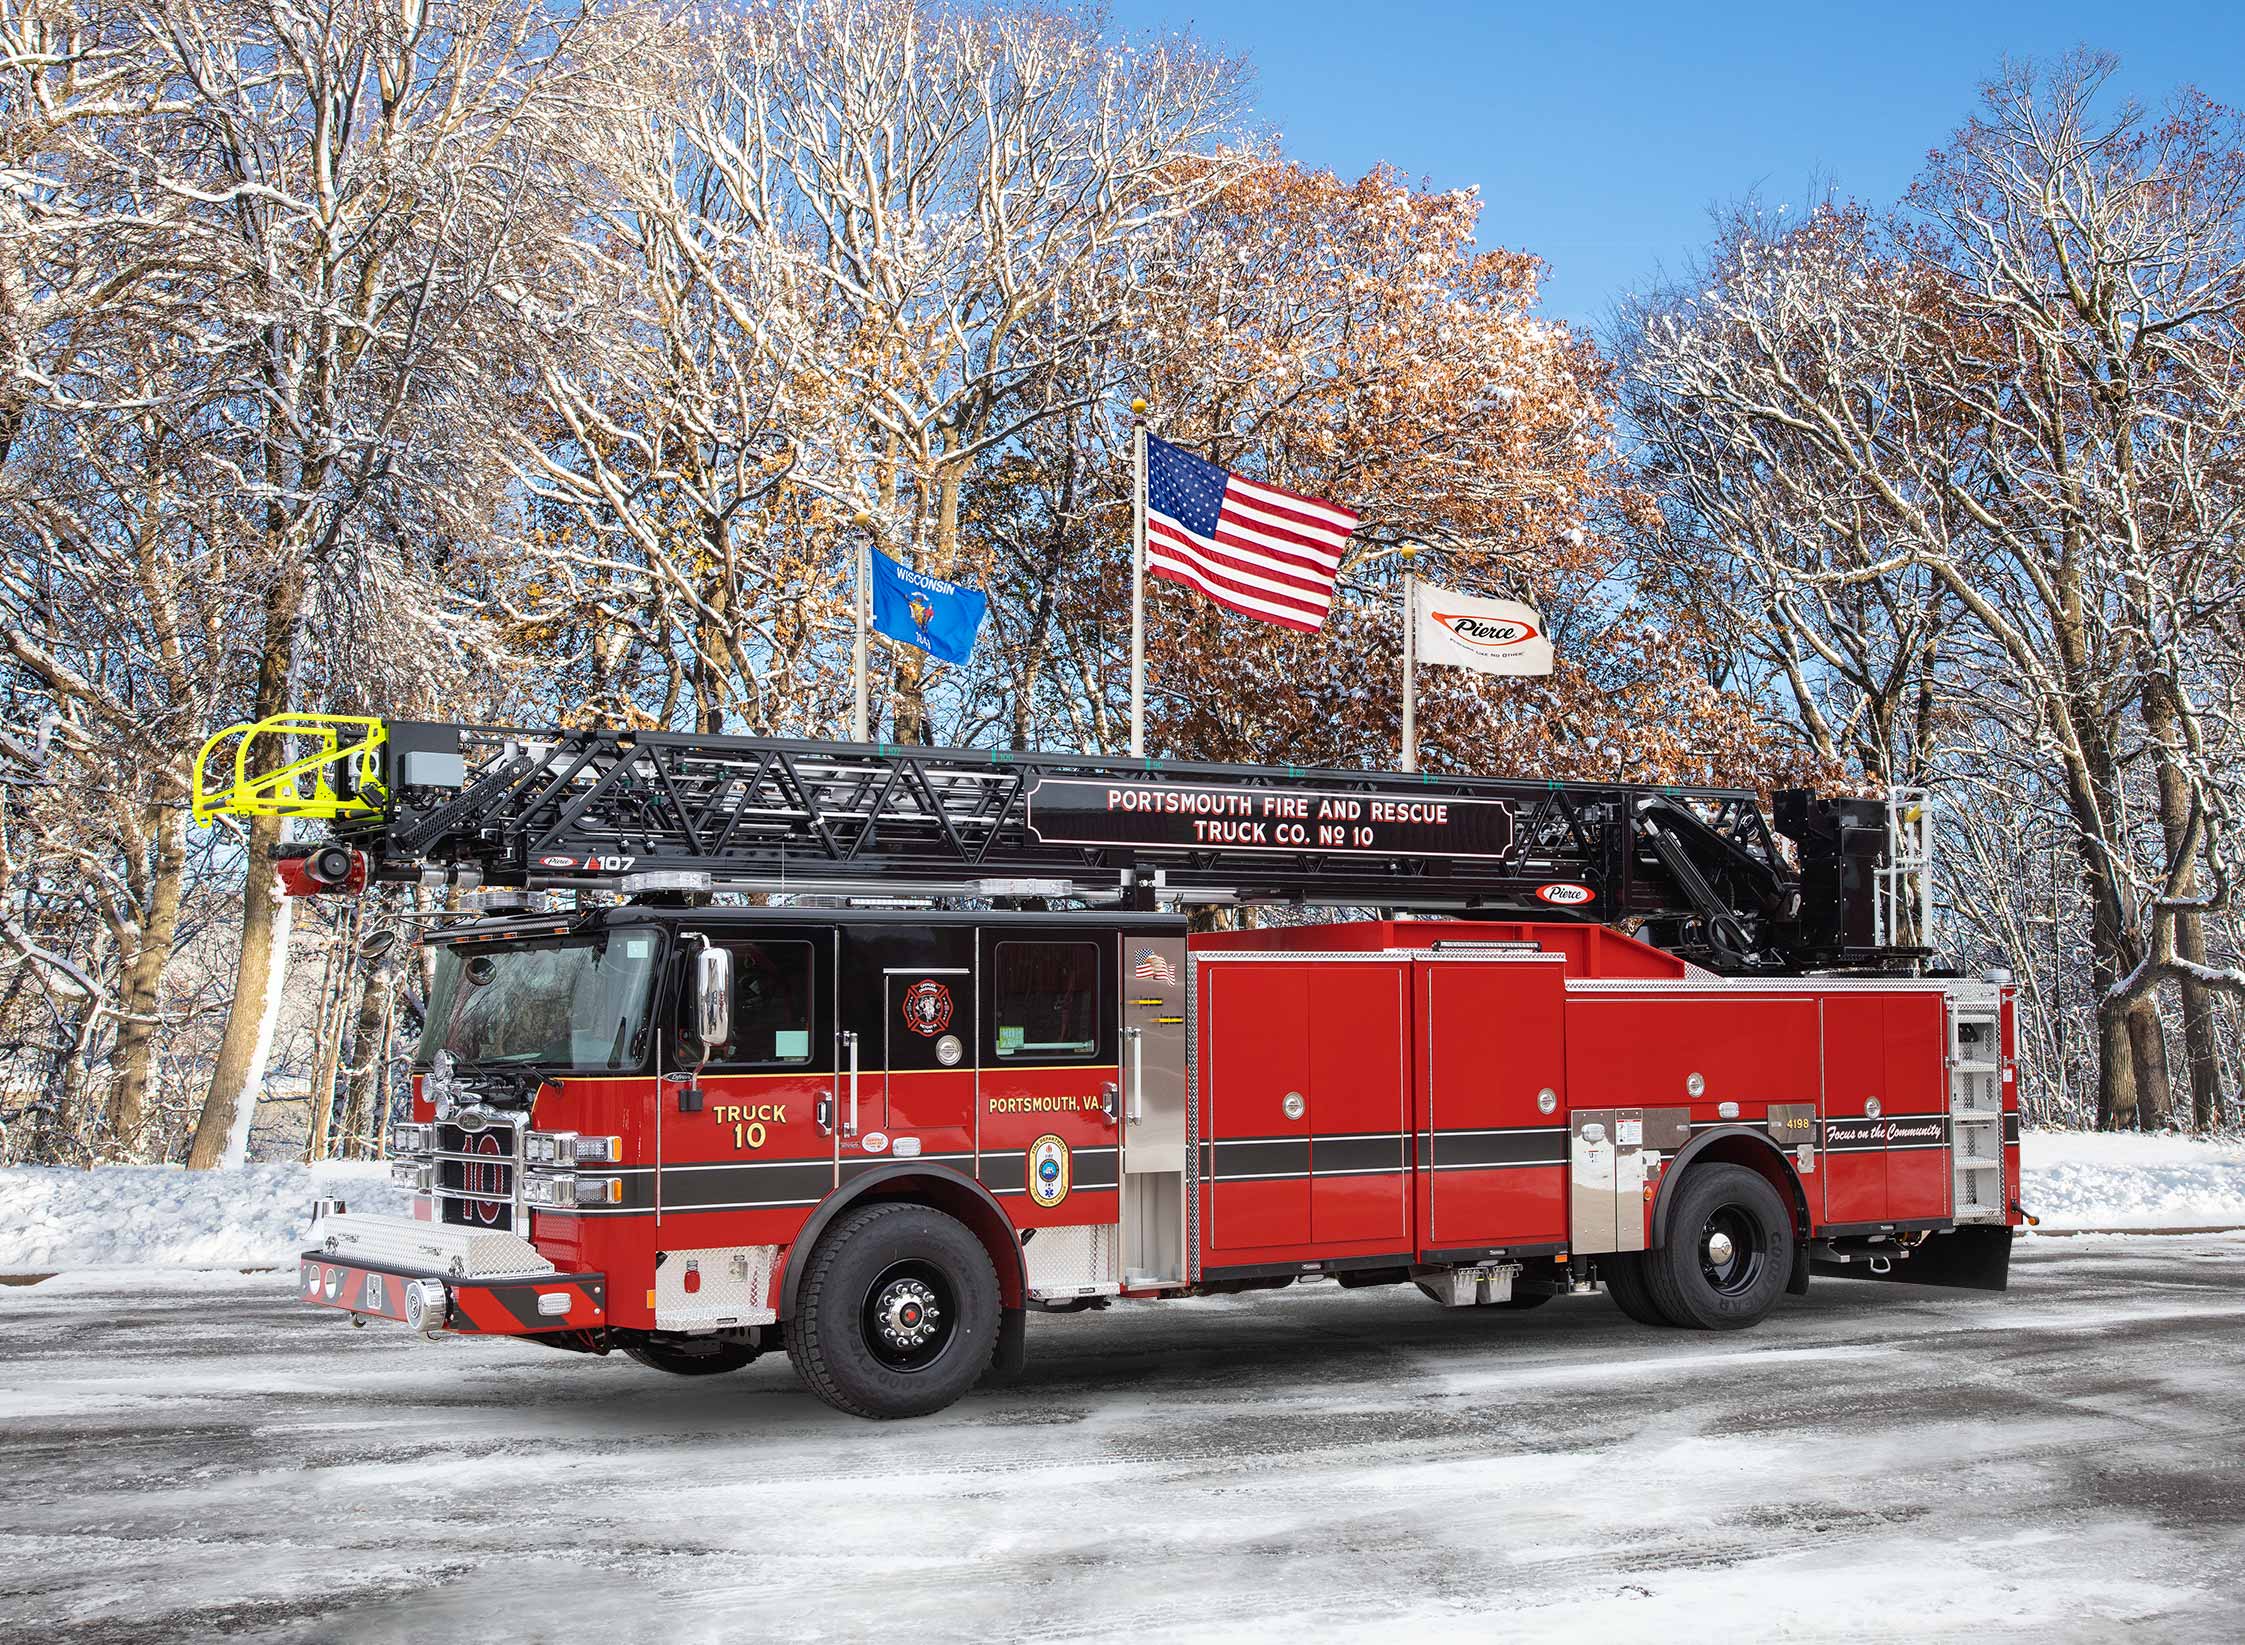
1494	636
939	617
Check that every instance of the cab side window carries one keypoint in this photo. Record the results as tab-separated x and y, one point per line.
774	996
1045	1001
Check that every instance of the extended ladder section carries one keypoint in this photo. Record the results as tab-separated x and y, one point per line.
641	812
1975	1057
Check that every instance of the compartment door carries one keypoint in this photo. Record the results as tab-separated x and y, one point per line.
1255	1082
1852	1160
1918	1177
1359	1105
1493	1164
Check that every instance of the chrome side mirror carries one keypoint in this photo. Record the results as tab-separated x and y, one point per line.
713	995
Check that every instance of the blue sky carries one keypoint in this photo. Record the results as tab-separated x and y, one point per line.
1599	136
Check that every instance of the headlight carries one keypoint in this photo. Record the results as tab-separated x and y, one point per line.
410	1174
566	1192
568	1148
412	1139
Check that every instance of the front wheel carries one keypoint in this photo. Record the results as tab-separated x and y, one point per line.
898	1315
1729	1250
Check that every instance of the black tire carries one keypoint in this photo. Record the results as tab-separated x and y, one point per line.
898	1314
707	1357
1729	1250
1623	1273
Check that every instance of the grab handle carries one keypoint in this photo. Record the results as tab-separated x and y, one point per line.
1137	1039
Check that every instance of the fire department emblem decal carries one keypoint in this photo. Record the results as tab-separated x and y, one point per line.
1048	1171
927	1007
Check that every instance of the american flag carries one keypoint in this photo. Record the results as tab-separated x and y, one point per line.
1152	967
1251	548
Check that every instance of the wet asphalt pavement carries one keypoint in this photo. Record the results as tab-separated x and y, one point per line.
199	1458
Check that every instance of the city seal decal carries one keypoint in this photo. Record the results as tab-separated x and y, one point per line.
1048	1170
927	1007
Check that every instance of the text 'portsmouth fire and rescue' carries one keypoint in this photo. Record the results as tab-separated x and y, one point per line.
1203	817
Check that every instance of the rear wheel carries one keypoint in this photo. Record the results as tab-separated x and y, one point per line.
1624	1276
898	1315
690	1356
1729	1250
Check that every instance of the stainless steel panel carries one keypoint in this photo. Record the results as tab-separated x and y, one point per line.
1629	1179
1154	1118
1590	1181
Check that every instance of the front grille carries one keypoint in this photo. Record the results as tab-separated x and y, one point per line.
477	1175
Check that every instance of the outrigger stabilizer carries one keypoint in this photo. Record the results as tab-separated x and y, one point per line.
1697	870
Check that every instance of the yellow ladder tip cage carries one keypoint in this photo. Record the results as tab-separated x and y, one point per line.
320	766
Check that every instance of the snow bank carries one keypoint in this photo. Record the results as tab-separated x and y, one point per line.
120	1216
2077	1179
127	1216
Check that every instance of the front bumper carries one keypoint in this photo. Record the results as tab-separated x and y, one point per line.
469	1282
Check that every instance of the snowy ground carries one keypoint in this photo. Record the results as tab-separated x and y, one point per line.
129	1215
52	1220
2090	1180
193	1457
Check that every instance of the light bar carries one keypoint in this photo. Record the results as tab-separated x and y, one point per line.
409	1138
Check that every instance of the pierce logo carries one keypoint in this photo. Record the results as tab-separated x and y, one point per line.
599	865
1565	894
1489	634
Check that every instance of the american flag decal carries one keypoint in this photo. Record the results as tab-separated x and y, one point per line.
1151	967
1250	547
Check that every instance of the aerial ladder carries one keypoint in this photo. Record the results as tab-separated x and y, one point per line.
1697	870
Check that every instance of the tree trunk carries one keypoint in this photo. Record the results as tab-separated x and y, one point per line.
2202	1039
336	982
135	1054
2201	1036
2147	1044
239	1073
2116	1073
368	1045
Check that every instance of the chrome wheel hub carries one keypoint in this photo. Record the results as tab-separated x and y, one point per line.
907	1314
1719	1248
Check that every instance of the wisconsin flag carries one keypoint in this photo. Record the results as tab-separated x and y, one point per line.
940	618
1494	636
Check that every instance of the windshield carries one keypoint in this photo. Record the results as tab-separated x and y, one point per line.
577	1002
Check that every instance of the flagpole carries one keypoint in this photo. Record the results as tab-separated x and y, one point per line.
1410	553
863	570
1138	579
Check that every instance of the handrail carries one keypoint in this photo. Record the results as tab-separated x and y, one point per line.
343	745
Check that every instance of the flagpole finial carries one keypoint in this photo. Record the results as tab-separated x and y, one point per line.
861	519
1138	408
1409	551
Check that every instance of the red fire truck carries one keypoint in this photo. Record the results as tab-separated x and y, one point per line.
869	1051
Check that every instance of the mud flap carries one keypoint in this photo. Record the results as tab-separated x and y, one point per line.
1971	1259
1796	1283
1013	1348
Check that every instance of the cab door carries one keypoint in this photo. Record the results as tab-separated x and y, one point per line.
906	1051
